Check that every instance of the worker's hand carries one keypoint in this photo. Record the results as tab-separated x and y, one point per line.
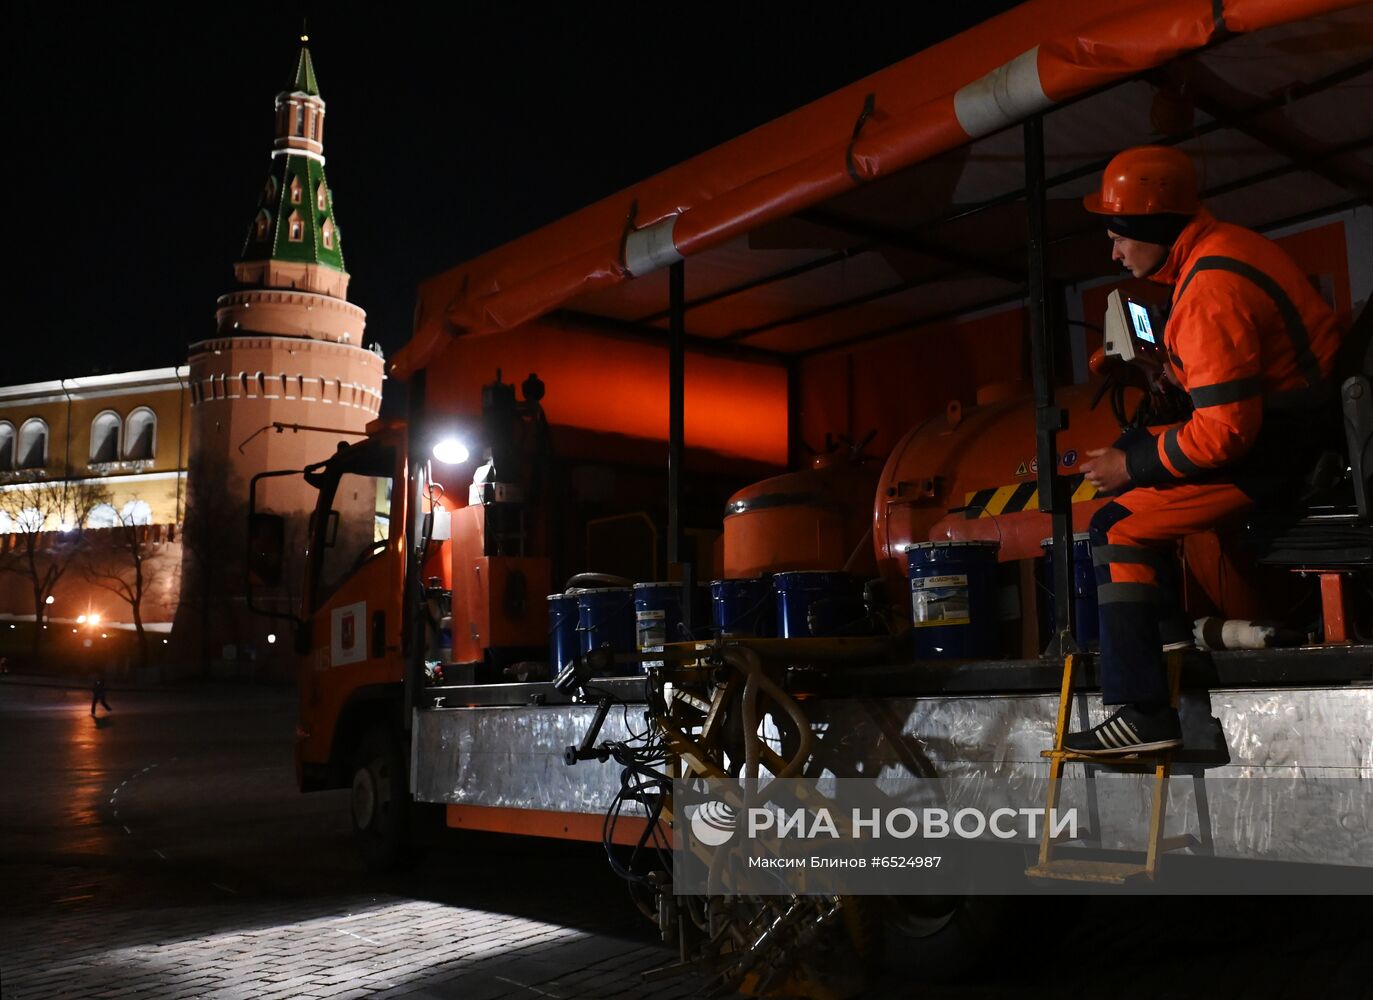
1105	469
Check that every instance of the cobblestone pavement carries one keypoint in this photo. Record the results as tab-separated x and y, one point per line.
166	854
342	948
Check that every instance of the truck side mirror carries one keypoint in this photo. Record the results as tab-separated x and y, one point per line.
266	548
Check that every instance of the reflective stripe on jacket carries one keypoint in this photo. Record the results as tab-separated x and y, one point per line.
1253	344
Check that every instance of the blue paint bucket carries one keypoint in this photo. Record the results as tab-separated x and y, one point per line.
743	607
953	599
1086	626
812	603
605	617
562	630
658	616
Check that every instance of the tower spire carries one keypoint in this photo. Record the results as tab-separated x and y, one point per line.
294	239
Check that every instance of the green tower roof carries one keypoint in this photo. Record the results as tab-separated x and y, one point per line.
295	216
305	74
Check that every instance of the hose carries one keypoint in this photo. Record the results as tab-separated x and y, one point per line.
597	580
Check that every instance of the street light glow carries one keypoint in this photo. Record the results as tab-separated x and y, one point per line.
271	638
451	451
94	618
81	620
49	600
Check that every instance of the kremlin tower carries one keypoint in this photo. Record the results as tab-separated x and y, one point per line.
287	349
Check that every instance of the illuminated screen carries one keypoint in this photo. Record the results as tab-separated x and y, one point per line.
1139	316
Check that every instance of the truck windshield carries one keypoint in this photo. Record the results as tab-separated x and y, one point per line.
358	527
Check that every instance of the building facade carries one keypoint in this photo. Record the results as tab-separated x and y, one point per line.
128	433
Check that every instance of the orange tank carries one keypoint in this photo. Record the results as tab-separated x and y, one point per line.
936	481
816	519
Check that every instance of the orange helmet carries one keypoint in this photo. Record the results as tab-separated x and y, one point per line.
1147	180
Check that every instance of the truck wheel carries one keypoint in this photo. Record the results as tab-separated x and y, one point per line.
380	803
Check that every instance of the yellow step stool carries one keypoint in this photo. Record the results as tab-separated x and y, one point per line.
1107	872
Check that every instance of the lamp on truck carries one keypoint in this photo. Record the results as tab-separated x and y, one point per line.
451	451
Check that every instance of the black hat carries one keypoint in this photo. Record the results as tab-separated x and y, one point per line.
1162	229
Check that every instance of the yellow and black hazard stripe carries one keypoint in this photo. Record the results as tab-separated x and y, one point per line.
1019	496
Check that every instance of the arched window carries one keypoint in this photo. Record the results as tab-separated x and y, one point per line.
243	382
261	384
297	228
295	191
327	234
102	516
140	434
136	512
269	191
300	119
6	446
33	444
321	197
262	225
105	430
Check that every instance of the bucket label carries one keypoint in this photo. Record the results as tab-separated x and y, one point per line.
940	600
652	630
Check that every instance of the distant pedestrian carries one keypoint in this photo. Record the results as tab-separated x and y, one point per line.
98	696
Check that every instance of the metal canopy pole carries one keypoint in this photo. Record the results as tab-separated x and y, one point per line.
676	430
411	627
1049	418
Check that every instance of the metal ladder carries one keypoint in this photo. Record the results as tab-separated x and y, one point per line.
1107	872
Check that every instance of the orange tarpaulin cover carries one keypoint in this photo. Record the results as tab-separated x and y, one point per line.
1040	53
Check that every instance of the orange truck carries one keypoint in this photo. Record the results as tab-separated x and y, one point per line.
861	327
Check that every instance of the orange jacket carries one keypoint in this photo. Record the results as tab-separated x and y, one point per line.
1253	344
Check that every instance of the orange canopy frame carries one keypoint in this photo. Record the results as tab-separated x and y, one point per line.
1030	60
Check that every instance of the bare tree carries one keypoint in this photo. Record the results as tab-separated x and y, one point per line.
127	561
47	522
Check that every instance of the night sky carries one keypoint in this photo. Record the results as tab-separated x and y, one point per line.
140	134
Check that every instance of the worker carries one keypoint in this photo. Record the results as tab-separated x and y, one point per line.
98	695
1252	343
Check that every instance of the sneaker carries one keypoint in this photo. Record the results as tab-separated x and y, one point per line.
1128	731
